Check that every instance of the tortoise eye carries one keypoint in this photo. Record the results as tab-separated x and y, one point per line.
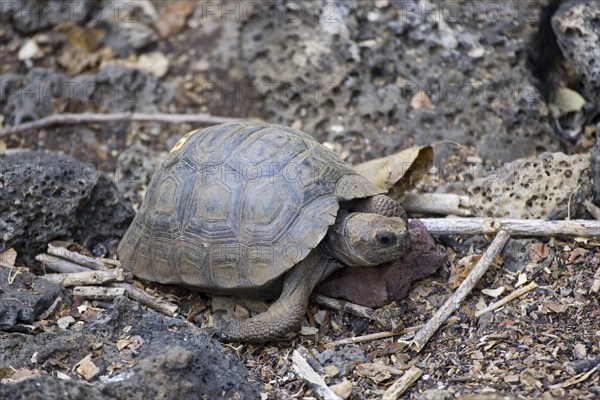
386	238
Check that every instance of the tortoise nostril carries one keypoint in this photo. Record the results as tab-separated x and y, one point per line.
386	238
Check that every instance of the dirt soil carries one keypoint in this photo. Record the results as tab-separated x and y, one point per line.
186	57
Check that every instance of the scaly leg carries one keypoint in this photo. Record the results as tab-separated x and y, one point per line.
286	313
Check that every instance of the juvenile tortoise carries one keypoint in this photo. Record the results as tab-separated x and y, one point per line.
259	210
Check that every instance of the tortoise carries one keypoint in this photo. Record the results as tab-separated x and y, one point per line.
259	210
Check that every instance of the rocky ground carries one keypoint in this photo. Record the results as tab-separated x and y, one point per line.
485	83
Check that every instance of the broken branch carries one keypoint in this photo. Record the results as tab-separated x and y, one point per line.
402	384
453	303
514	227
406	332
316	382
58	264
437	203
146	299
342	305
98	292
511	296
77	258
87	118
88	277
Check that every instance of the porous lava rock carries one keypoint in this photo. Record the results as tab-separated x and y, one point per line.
547	188
51	196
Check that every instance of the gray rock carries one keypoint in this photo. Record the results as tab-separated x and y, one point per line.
127	29
347	73
24	299
576	27
114	88
31	16
50	196
175	360
435	394
516	254
344	358
552	186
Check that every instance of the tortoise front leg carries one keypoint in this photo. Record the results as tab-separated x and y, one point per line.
286	313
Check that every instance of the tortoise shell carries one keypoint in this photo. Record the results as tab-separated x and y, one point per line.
235	206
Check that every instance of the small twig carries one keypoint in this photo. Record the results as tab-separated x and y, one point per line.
46	314
59	265
595	288
316	382
575	379
437	203
402	384
510	297
514	227
142	297
86	118
77	258
453	303
342	305
98	292
110	261
407	333
88	277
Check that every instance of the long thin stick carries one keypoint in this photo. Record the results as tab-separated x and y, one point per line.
142	297
59	264
91	277
77	258
406	334
453	303
437	203
86	118
514	227
402	384
503	301
342	305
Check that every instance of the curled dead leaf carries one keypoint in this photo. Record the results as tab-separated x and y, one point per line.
399	172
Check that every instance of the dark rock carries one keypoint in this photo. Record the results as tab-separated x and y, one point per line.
127	29
51	388
435	394
595	161
115	88
135	167
376	286
345	358
31	16
175	361
25	298
516	254
50	196
576	26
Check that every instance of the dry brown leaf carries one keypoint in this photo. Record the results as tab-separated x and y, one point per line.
86	368
539	251
377	372
493	292
86	38
8	257
553	306
421	101
461	269
173	18
399	172
577	255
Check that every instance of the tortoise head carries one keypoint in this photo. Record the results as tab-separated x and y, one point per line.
364	239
